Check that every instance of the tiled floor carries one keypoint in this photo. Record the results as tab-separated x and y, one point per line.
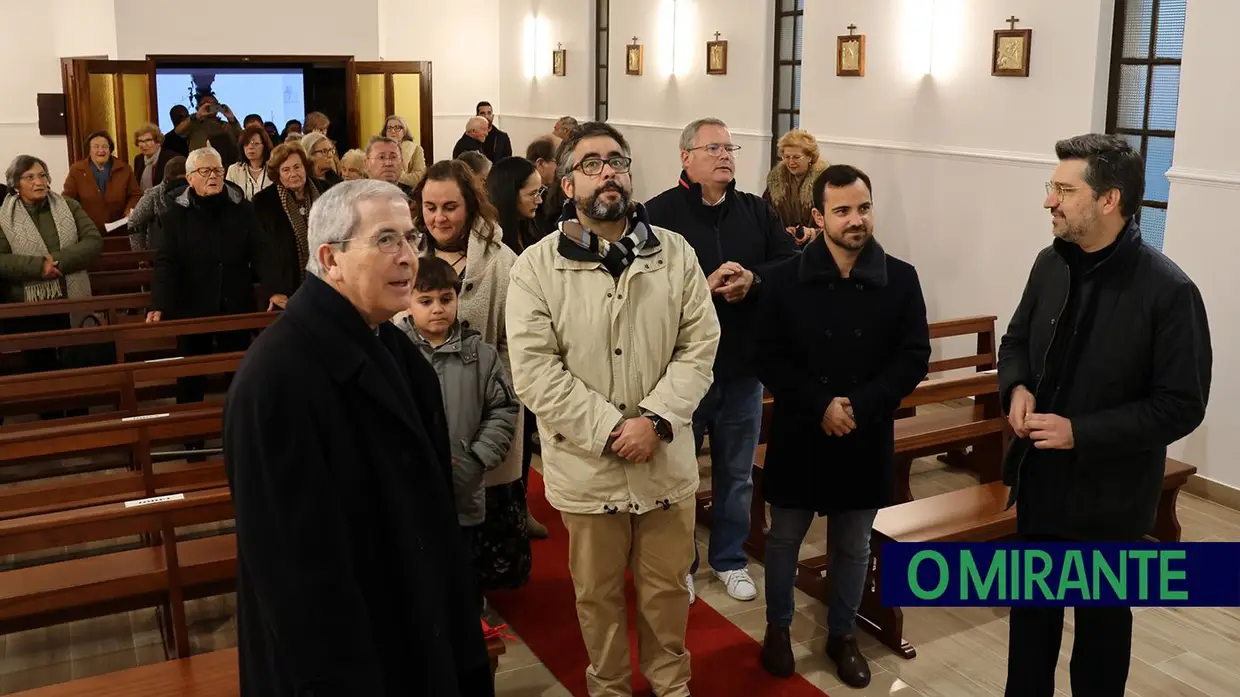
961	652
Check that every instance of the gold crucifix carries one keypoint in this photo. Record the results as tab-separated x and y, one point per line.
1012	21
852	29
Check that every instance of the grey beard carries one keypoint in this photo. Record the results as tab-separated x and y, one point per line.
599	210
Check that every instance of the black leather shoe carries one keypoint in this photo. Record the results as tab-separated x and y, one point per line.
776	653
850	665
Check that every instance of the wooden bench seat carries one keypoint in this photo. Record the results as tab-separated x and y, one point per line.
123	260
973	514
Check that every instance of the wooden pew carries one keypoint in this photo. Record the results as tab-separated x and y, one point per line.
116	243
972	514
130	280
123	261
114	308
133	338
121	386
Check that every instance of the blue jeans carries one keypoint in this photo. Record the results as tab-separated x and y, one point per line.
731	412
848	559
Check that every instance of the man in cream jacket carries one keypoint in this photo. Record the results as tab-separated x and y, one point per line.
612	335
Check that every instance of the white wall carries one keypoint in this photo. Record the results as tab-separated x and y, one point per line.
462	40
652	109
531	99
247	28
1205	188
958	158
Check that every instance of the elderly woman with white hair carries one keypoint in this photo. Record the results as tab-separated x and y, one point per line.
790	184
206	263
412	156
335	423
47	244
322	152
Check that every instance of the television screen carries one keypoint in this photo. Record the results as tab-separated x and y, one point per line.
277	94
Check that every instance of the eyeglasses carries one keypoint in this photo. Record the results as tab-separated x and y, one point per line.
1059	191
593	166
36	177
208	172
716	149
395	127
538	193
321	151
388	242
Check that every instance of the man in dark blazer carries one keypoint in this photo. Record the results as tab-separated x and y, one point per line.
497	145
352	575
843	338
1106	361
737	237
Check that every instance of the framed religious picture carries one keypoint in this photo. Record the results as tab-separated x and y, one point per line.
633	58
558	59
850	54
1010	54
716	56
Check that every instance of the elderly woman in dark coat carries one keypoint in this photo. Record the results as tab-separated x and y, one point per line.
284	212
843	338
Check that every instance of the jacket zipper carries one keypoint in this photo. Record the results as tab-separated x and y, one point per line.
1036	388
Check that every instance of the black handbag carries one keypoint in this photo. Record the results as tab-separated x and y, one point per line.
88	355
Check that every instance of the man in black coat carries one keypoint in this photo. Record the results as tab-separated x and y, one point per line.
737	238
352	575
474	137
1106	361
209	252
843	338
497	145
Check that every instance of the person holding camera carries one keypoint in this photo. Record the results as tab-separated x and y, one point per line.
789	186
206	123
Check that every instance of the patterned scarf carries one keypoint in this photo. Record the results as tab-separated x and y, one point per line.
25	240
298	216
615	256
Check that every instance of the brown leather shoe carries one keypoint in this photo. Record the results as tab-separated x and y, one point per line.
534	529
850	665
776	656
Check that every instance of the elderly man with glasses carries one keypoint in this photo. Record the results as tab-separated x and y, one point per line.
737	237
335	424
206	263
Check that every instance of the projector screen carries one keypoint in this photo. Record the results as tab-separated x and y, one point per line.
276	94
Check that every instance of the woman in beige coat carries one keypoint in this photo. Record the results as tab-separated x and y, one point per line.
412	156
458	226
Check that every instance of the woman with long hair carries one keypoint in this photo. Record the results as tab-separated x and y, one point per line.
459	225
516	190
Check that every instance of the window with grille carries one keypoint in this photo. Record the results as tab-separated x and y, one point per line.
786	94
601	25
1145	88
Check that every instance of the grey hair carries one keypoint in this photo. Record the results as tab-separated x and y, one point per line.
334	217
191	162
567	121
403	124
688	135
476	120
19	166
308	142
379	139
591	129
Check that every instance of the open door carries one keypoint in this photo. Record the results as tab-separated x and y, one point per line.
104	95
382	88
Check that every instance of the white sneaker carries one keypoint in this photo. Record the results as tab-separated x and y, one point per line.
692	590
739	584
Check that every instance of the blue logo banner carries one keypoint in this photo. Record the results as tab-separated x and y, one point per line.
1197	574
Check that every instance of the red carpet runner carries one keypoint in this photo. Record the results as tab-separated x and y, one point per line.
725	659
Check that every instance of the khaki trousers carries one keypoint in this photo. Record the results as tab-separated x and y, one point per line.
658	547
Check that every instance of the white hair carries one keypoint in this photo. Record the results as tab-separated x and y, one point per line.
476	122
191	162
334	217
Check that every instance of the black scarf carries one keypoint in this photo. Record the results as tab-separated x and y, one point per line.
615	256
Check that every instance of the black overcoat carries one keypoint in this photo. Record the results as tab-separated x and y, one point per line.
822	336
352	577
285	273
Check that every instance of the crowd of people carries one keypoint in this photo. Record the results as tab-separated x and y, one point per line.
441	322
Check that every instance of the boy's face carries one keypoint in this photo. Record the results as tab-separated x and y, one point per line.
433	312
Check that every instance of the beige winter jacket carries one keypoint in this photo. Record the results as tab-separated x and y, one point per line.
589	350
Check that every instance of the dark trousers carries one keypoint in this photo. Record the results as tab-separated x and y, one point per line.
531	427
193	389
1101	650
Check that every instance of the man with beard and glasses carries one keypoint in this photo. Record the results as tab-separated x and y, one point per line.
612	335
736	237
843	338
1106	361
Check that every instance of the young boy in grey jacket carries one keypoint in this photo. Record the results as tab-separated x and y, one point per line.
477	393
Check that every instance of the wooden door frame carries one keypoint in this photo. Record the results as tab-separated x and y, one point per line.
426	129
77	93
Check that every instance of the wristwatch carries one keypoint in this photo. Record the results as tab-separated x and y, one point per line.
662	428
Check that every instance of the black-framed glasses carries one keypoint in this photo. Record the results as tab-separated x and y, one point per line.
593	166
208	172
388	242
